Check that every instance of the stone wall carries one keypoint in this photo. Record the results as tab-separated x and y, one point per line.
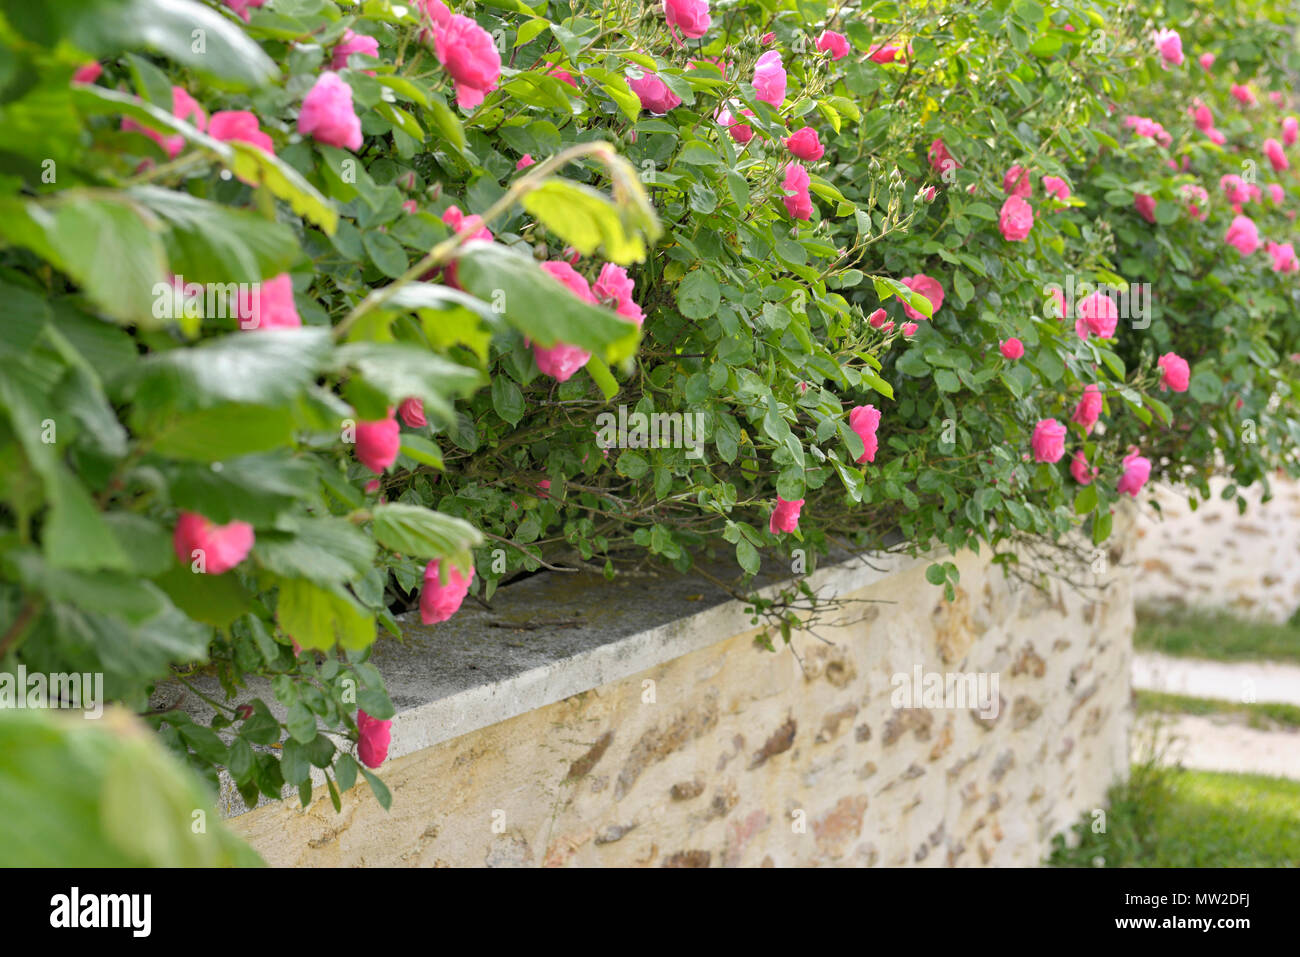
1216	557
727	755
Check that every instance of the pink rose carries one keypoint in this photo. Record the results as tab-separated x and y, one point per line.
654	94
353	43
1170	46
1088	411
469	54
1276	193
1048	441
1273	150
613	288
836	43
742	133
1055	186
1136	472
1206	60
373	738
797	180
327	114
1016	219
769	79
1017	182
767	39
805	144
184	107
864	420
1079	469
1203	117
888	53
1096	314
1174	373
877	318
215	548
270	306
434	12
241	7
525	161
1216	137
909	329
241	125
458	221
1290	130
87	73
1145	206
1243	234
1243	94
378	443
785	517
941	160
1195	197
1012	348
1284	257
689	16
928	287
438	602
1234	188
562	360
1058	303
412	412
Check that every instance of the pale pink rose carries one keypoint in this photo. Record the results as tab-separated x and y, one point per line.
1206	60
1016	219
614	289
1012	348
1170	46
785	517
412	412
1048	441
525	161
269	306
1243	234
1284	257
865	420
799	202
378	443
1174	373
1149	128
1276	193
769	79
241	7
1017	182
836	43
469	54
805	144
184	107
88	73
1055	186
927	286
373	739
327	114
1276	156
691	17
1096	314
1243	95
353	43
227	125
215	548
1197	198
438	602
1136	472
1145	206
877	318
1079	469
654	94
1088	411
1290	130
742	133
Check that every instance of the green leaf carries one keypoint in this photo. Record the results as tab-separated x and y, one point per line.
698	295
419	532
747	556
1086	500
401	371
936	574
212	599
224	432
319	618
507	399
261	367
585	219
379	789
328	551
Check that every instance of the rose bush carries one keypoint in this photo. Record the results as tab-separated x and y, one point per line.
313	307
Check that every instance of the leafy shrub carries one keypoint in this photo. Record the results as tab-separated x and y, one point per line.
825	238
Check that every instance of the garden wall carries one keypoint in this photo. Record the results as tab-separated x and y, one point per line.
636	723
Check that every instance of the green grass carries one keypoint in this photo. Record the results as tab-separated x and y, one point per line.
1262	716
1201	633
1172	817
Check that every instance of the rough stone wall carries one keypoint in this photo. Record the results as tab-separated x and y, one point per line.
1216	557
734	756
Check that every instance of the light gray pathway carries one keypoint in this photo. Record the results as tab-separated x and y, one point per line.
1245	681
